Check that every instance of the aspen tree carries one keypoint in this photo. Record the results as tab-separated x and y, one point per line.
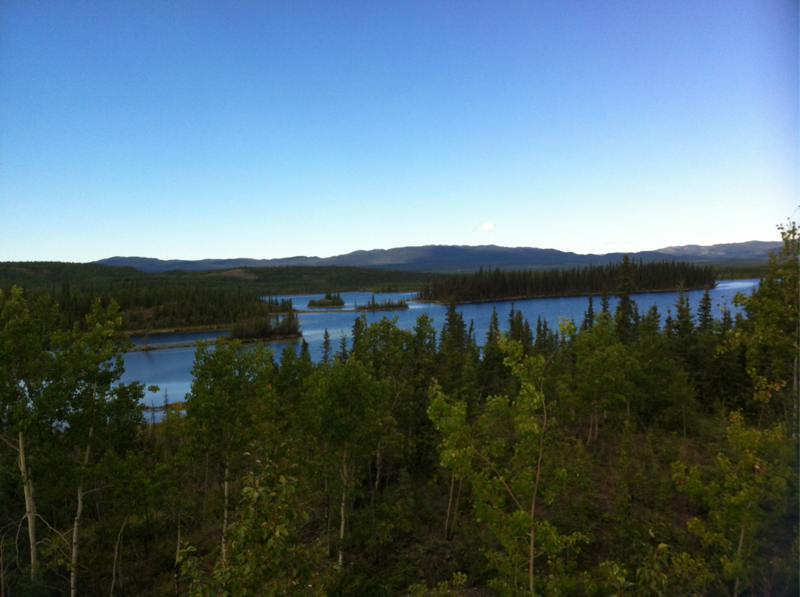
230	405
502	455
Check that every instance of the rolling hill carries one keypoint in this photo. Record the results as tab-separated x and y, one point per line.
451	258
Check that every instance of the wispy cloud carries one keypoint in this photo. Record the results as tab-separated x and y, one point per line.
487	227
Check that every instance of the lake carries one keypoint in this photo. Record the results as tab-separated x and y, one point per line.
170	368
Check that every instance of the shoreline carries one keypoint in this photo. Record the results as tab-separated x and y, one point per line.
342	310
225	340
571	295
210	327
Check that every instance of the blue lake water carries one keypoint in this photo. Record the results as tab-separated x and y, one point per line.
170	368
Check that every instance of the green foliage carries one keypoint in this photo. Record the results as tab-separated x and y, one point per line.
501	454
255	281
747	490
384	305
65	417
596	461
231	399
443	589
332	299
496	284
740	272
771	334
267	327
266	555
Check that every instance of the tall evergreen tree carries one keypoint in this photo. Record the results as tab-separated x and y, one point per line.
588	317
704	317
624	314
326	347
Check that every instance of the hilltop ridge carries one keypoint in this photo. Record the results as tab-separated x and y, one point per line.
453	258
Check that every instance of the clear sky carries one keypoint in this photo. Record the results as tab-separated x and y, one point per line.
190	130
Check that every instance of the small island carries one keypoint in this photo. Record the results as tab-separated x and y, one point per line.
332	299
387	305
271	327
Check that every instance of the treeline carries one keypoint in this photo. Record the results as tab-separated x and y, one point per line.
384	305
495	284
631	453
740	272
148	307
267	327
261	281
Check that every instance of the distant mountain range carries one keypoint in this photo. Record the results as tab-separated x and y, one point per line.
449	258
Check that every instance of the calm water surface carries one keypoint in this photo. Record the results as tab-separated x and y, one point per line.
170	368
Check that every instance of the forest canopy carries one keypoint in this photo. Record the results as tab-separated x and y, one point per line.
631	453
496	284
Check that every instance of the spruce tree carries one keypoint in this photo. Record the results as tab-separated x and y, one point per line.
588	316
341	354
624	314
326	347
704	317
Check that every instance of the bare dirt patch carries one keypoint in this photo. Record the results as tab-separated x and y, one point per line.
235	273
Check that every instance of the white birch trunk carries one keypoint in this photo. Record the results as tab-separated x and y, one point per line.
342	508
449	503
177	557
30	507
73	577
116	558
225	514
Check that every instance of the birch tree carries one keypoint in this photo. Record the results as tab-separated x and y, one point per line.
501	453
231	404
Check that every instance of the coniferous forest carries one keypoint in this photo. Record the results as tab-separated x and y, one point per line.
149	307
496	284
630	453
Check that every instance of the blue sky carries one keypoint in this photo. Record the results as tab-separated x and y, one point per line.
190	130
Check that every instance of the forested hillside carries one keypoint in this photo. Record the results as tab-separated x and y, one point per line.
185	299
630	453
256	280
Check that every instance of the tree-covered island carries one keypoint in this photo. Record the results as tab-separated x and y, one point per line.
331	299
268	327
384	305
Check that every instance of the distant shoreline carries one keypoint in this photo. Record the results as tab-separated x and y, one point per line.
342	310
183	329
225	340
570	295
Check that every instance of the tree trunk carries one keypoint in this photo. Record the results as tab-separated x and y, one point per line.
378	464
116	558
455	508
73	576
739	556
532	553
327	517
342	508
176	571
225	513
2	570
30	507
449	503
